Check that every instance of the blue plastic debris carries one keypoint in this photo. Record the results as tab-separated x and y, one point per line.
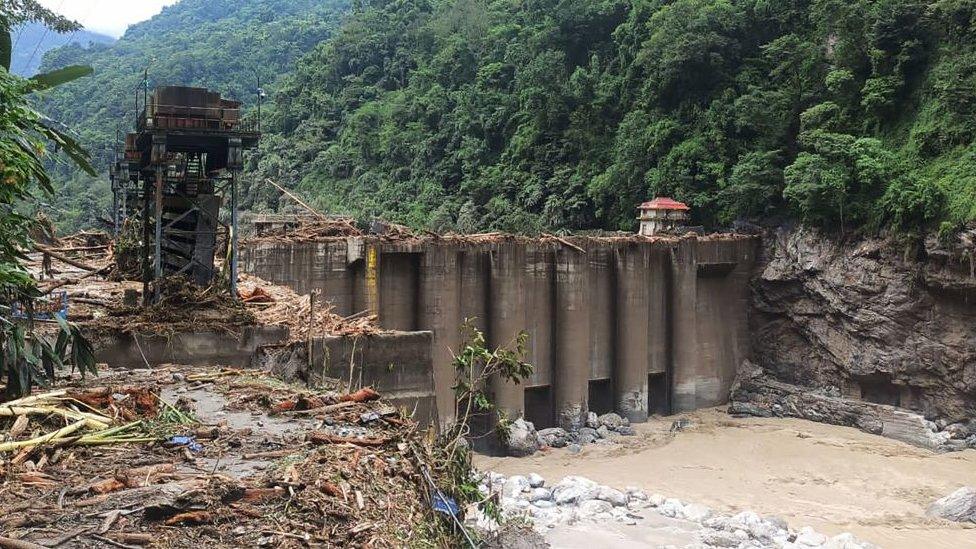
55	305
445	504
187	441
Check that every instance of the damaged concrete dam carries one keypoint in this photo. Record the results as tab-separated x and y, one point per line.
637	325
661	325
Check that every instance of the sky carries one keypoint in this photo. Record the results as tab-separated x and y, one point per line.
109	17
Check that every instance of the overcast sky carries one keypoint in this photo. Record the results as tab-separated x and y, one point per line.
107	16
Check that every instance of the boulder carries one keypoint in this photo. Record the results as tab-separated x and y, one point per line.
671	508
635	493
514	486
959	506
522	439
587	435
592	421
604	432
807	537
612	496
538	494
611	421
556	437
572	490
536	480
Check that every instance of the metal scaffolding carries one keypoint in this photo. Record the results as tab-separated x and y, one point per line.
179	167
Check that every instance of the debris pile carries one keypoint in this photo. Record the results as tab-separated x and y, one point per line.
577	499
227	469
275	305
182	307
310	228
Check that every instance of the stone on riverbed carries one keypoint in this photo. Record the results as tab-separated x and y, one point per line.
611	421
522	439
556	437
959	506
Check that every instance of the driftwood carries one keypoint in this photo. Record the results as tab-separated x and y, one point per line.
8	543
68	260
564	242
319	437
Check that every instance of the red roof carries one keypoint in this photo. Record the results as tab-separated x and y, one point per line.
664	203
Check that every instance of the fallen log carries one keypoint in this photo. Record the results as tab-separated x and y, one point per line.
68	260
363	395
9	543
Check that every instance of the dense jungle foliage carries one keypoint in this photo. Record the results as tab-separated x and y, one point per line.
226	45
529	114
523	114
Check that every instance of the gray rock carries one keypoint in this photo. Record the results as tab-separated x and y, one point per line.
671	508
574	489
592	421
612	496
514	486
718	538
536	480
611	421
593	508
959	431
635	493
604	432
538	494
813	307
556	437
807	537
587	435
522	439
574	448
544	504
626	430
959	506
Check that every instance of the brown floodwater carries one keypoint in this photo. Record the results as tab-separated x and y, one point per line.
835	479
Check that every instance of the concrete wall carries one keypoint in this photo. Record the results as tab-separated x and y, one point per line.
198	348
615	311
397	364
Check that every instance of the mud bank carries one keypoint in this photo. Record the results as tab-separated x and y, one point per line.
871	319
834	479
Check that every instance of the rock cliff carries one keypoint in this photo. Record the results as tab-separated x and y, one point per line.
872	319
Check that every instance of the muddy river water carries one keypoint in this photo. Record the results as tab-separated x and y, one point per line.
835	479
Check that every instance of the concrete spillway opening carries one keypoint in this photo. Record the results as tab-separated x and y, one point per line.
538	406
600	396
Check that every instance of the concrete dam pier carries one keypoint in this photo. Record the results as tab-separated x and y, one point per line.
629	324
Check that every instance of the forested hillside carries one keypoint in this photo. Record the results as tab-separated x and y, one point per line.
32	40
523	114
221	44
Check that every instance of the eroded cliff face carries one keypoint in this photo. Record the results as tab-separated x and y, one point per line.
869	319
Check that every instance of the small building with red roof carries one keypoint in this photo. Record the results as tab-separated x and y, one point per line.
660	215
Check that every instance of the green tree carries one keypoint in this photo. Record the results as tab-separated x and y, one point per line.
26	356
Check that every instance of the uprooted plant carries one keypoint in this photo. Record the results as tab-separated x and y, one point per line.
475	366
